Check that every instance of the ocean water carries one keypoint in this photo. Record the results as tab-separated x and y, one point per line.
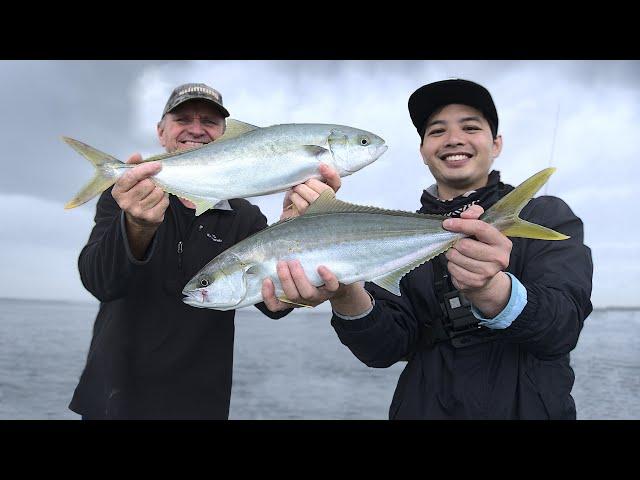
293	368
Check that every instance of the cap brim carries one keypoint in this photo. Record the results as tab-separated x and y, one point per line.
428	98
224	111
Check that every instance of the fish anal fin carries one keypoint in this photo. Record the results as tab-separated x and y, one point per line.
286	300
391	280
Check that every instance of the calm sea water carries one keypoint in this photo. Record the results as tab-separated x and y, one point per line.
294	368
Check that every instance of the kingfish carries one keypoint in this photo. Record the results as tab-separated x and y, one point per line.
357	243
246	161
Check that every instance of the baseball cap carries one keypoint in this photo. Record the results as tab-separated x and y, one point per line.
428	98
192	91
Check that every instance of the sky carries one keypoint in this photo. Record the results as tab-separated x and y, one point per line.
581	117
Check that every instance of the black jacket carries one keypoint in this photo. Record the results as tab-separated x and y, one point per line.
524	373
151	355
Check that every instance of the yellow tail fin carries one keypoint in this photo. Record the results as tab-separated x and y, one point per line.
103	178
504	214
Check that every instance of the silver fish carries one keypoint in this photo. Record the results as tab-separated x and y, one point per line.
246	161
355	242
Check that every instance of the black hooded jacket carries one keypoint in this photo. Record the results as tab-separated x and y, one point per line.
151	355
524	372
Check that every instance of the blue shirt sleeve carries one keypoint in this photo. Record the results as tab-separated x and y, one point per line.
514	307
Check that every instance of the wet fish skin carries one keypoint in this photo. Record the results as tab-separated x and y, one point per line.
246	161
355	242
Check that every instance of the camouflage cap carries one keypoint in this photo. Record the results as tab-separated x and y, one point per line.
193	91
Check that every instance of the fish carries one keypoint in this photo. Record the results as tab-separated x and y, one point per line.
246	161
356	242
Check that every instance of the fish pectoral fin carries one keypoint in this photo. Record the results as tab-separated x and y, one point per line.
286	300
236	128
336	140
314	150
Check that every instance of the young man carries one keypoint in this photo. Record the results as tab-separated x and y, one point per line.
151	355
487	327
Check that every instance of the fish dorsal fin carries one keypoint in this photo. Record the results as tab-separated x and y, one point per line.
236	128
328	203
164	156
391	281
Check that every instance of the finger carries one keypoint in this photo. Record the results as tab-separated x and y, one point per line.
156	214
307	193
304	286
469	263
151	200
269	296
474	211
464	278
137	174
476	250
135	158
300	203
477	228
331	283
317	186
331	176
286	201
288	285
140	191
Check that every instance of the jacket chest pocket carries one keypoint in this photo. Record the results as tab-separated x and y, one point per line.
190	257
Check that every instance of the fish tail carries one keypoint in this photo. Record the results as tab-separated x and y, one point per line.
102	179
504	214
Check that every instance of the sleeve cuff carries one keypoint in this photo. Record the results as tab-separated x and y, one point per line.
517	302
357	317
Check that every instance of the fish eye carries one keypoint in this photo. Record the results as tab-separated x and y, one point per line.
364	141
204	282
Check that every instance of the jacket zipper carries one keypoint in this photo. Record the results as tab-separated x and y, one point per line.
180	255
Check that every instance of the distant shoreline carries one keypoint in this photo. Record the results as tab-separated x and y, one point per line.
47	300
308	311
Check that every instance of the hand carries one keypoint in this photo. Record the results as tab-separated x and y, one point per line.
297	288
297	199
143	202
476	264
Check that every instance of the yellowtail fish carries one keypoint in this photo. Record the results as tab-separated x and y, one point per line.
246	161
355	242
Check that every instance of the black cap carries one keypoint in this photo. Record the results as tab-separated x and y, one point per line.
428	98
192	91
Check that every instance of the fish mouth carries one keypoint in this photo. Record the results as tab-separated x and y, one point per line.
379	151
191	301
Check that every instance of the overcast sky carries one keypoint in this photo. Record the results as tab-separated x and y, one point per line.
591	108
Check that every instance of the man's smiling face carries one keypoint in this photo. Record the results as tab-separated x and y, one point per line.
191	124
458	148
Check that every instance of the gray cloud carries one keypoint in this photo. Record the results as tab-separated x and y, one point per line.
42	101
114	106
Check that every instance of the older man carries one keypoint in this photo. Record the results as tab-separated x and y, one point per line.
152	356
